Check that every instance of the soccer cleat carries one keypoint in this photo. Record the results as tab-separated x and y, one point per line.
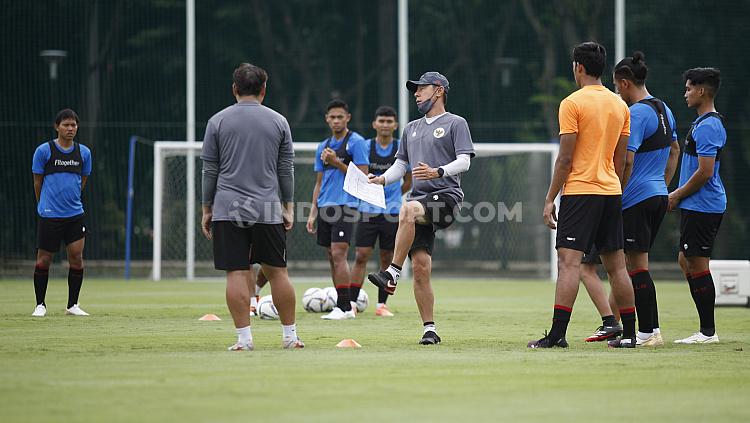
603	333
699	338
622	343
655	340
292	343
383	280
242	347
547	342
75	311
430	338
383	311
338	314
39	311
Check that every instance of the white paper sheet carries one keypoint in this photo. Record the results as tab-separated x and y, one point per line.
356	184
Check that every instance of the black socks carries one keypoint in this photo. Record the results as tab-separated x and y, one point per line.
41	277
560	319
645	299
75	280
704	295
343	298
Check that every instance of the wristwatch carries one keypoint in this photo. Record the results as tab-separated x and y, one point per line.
440	172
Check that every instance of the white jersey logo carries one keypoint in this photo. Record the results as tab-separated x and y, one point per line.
438	133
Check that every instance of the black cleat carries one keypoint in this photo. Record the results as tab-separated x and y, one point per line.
383	280
547	342
604	333
621	343
429	338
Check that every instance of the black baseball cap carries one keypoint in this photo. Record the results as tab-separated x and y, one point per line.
429	78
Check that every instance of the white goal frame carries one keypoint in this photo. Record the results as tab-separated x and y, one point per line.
164	149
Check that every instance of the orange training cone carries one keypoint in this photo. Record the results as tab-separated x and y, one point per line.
348	343
209	317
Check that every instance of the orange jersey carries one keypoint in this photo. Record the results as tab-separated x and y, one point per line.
599	117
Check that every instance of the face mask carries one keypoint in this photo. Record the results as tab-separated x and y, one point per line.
426	106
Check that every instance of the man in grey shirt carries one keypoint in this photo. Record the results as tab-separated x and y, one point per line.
248	193
438	148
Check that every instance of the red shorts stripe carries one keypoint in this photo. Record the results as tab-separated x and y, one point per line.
562	307
637	271
701	274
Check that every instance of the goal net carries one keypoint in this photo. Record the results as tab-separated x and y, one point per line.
499	233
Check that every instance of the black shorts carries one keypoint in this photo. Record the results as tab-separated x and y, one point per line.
440	211
698	232
238	247
588	220
592	257
372	227
641	222
50	231
335	224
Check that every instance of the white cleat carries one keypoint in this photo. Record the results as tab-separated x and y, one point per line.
699	338
75	311
655	340
242	347
338	314
292	343
39	311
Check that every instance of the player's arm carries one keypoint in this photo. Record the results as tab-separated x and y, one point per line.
38	181
629	159
209	177
704	172
314	208
406	186
393	174
563	165
285	169
83	182
620	158
674	156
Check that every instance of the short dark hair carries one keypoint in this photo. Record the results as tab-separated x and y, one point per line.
387	111
593	57
337	103
65	114
710	77
633	68
249	79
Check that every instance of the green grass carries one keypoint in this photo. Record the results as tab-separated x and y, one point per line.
144	356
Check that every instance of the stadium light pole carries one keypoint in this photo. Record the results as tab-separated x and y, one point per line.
619	30
190	123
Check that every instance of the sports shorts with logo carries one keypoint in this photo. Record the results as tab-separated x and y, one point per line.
698	232
440	212
335	224
586	220
238	245
641	222
53	230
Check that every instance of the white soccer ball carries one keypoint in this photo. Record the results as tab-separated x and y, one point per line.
314	300
362	301
266	309
331	296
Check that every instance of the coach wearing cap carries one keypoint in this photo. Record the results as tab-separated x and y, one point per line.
438	148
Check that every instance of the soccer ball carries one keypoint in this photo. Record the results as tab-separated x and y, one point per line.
331	296
314	300
362	301
266	309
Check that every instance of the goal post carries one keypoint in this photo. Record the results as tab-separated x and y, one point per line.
505	186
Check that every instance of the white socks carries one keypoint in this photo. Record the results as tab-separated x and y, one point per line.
244	336
395	273
429	328
656	330
257	290
289	331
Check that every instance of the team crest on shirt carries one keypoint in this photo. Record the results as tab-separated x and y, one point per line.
438	133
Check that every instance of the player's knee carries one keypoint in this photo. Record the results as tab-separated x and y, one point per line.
76	260
361	258
408	212
338	253
43	262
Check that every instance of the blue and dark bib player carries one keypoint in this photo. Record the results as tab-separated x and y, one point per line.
334	210
60	168
701	197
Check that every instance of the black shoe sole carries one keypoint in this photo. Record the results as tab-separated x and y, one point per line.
379	282
430	340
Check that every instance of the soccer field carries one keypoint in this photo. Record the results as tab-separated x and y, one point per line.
144	356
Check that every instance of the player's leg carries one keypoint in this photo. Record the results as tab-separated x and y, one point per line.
412	213
231	245
49	236
252	287
341	275
421	263
386	258
74	251
367	235
595	288
622	291
644	292
697	234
